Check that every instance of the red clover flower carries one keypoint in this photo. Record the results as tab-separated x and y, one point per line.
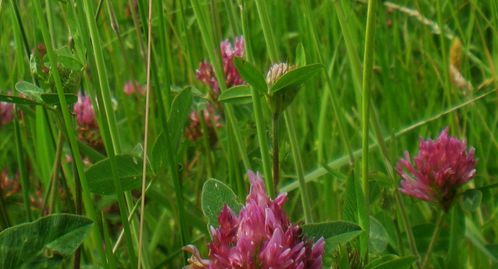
259	237
6	113
85	115
205	72
439	169
133	87
212	120
88	129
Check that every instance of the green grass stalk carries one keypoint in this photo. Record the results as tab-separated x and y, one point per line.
110	133
367	82
71	135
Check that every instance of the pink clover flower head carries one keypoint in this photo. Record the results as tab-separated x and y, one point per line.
259	237
438	170
133	87
211	118
205	72
6	113
85	115
228	54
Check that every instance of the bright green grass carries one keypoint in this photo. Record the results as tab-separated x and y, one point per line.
410	93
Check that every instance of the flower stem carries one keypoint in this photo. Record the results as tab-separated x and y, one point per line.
273	52
274	138
435	235
408	228
258	109
22	167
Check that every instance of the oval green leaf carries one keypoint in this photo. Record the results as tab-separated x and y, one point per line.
128	169
295	77
240	94
251	75
58	234
215	195
30	90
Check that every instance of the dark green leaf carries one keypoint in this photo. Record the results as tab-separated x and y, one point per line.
295	78
251	75
90	152
128	169
53	98
30	90
471	200
18	100
58	234
236	95
335	232
158	151
215	195
180	110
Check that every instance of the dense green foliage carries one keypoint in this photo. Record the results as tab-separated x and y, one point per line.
434	62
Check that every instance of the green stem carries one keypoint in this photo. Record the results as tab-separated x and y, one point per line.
3	212
435	235
408	228
273	52
258	109
366	85
275	128
96	237
110	133
172	167
206	143
298	162
53	178
22	167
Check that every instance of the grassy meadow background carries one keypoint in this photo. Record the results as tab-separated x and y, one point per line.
104	44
